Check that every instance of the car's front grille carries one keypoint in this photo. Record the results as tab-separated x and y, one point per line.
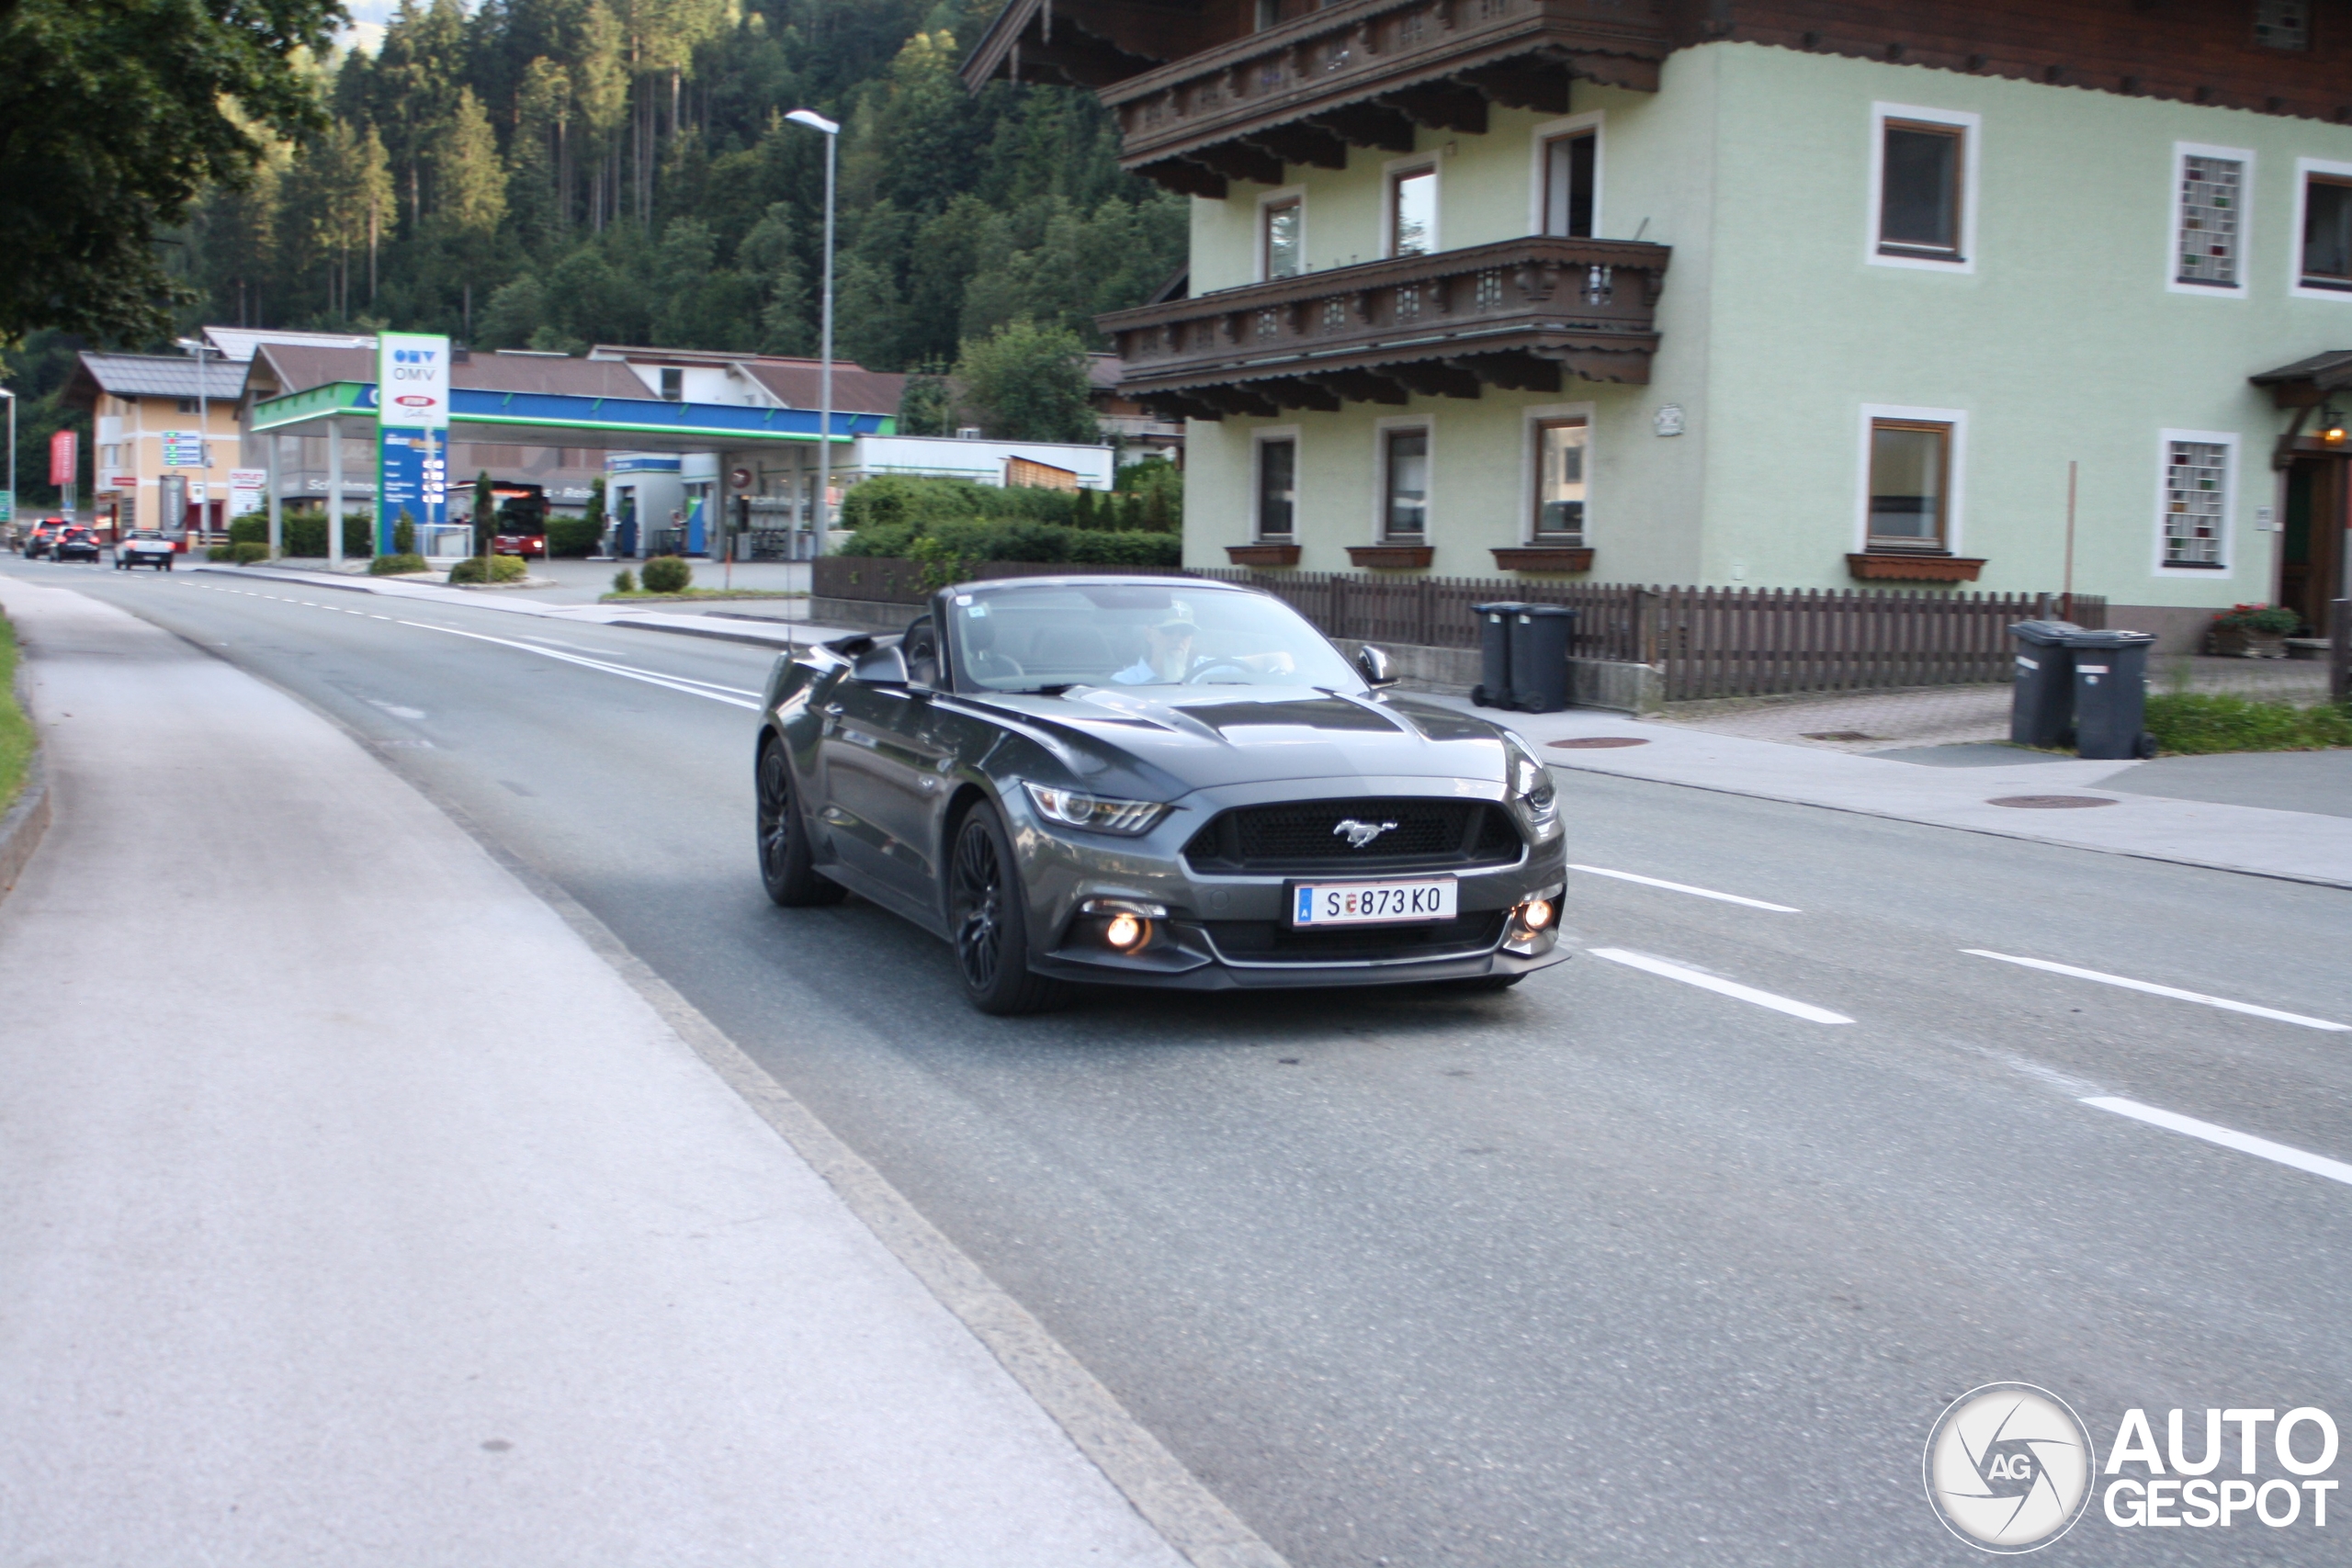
1321	836
1271	942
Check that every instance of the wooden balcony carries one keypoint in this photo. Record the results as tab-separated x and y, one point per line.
1520	314
1196	112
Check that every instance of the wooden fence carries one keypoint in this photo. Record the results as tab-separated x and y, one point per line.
1710	642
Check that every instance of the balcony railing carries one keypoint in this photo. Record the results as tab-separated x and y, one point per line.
1366	74
1516	314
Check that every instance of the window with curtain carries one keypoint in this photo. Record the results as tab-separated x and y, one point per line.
1910	479
1412	212
1283	225
1559	480
1568	167
1920	179
1405	484
1277	488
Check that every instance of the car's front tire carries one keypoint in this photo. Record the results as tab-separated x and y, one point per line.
988	919
787	870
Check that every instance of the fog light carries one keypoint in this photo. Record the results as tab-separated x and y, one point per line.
1126	932
1535	914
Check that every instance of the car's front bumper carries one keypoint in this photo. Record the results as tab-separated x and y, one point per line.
1231	932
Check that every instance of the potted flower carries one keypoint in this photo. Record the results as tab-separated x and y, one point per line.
2252	631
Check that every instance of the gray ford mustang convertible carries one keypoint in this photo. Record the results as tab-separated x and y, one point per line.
1154	781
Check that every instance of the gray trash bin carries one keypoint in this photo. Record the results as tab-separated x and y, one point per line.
2041	702
2111	694
1495	628
1539	636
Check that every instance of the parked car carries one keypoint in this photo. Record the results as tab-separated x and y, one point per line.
43	537
1154	781
77	542
143	547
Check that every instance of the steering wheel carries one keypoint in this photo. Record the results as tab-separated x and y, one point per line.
1192	676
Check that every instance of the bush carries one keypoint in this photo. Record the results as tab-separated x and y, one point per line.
573	537
221	552
306	534
2191	723
252	528
503	568
246	552
394	565
2275	619
667	575
624	581
404	534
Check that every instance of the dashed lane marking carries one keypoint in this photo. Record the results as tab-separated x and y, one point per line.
2155	991
1721	986
2229	1138
1685	888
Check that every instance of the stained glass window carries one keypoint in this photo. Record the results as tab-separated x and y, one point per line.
2209	191
2196	482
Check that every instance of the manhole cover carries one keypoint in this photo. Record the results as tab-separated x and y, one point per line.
1599	742
2051	802
1841	735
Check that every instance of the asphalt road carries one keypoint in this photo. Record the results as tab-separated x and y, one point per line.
1618	1267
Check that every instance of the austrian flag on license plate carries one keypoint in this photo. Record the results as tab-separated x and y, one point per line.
1371	903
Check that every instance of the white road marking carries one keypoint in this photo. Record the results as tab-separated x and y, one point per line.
2156	990
2245	1143
1721	986
717	694
1685	888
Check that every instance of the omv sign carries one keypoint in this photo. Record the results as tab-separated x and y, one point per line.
413	380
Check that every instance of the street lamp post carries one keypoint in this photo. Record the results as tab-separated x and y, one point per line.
4	393
833	135
204	445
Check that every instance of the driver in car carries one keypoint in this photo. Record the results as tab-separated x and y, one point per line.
1167	657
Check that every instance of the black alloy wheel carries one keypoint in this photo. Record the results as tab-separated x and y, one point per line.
988	921
785	867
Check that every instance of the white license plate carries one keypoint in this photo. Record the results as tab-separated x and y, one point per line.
1371	903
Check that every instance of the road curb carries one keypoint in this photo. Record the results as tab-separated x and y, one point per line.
23	824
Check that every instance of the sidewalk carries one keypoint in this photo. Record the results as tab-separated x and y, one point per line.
316	1256
768	623
2300	846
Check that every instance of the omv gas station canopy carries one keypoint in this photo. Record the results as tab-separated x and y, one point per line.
557	419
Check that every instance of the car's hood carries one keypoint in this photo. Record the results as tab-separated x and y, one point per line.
1204	735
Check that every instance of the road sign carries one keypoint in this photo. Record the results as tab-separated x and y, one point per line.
7	506
64	457
412	382
183	449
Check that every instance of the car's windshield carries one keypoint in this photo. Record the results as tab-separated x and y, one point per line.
1019	638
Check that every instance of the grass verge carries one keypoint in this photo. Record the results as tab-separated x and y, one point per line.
2198	723
16	730
643	598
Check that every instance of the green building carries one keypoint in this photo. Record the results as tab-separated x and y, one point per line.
1732	294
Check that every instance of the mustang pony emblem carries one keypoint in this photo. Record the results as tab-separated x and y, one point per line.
1361	834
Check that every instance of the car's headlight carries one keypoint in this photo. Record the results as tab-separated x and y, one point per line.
1530	782
1076	809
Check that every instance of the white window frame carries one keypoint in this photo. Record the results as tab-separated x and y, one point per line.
1259	436
1541	413
1427	423
1412	164
1541	137
1257	233
1955	481
1971	126
2243	156
2228	440
2304	169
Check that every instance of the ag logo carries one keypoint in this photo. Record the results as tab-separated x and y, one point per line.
2008	1467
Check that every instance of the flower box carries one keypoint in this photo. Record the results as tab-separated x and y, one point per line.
1544	557
1262	555
1391	557
1901	566
2239	642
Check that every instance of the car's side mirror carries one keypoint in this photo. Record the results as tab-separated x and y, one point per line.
880	667
1374	664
